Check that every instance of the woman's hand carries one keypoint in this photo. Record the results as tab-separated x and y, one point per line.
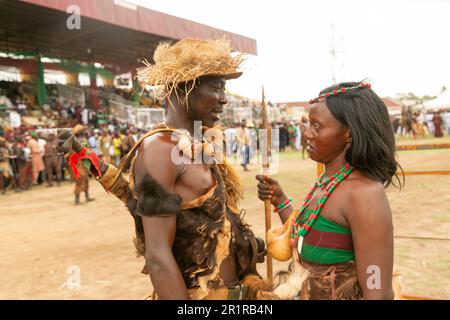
270	189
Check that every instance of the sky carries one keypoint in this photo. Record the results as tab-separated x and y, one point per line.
400	46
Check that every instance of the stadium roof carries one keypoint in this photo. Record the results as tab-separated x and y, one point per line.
111	32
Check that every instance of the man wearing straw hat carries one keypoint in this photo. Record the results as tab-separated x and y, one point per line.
187	221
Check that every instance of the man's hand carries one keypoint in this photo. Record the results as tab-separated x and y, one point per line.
67	141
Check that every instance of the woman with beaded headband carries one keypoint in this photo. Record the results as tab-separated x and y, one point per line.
341	237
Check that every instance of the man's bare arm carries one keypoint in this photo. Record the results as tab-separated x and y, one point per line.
154	160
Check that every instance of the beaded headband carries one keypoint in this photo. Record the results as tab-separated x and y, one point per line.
338	91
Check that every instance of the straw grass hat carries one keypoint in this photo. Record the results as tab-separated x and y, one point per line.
187	60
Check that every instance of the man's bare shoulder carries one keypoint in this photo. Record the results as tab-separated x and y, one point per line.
155	158
160	143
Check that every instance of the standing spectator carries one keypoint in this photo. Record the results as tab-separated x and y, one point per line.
21	108
298	136
292	130
396	124
407	120
429	121
303	128
127	142
71	110
85	116
284	136
22	164
446	117
14	153
437	122
78	114
37	165
93	141
51	160
5	172
230	140
105	146
42	142
243	138
111	127
117	143
136	134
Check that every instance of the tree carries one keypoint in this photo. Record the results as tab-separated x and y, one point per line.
417	100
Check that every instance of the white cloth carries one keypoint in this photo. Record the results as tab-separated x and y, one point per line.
85	116
429	120
14	119
22	106
41	144
298	138
446	118
5	101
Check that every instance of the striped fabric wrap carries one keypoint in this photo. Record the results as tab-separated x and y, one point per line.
327	242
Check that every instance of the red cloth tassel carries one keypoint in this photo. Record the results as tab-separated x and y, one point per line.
91	156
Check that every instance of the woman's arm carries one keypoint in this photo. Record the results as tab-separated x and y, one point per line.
369	216
270	189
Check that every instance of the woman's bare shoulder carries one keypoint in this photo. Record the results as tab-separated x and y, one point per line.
364	196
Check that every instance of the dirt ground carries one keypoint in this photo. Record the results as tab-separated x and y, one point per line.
43	235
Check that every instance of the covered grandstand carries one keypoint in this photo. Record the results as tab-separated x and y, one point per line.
109	38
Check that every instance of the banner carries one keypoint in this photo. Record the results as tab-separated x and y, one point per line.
71	94
148	117
122	112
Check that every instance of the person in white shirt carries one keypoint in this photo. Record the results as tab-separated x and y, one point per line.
85	116
446	118
230	140
94	143
41	142
243	138
429	121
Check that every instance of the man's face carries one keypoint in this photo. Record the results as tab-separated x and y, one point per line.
207	101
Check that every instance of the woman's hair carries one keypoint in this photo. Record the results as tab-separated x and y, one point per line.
372	150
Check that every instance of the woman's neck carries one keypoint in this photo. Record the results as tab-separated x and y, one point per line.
334	166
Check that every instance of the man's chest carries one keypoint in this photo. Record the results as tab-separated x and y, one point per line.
194	181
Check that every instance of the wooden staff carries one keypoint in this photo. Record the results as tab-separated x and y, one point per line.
265	168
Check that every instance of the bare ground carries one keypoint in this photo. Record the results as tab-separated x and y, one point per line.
43	234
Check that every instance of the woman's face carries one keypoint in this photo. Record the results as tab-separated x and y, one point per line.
326	137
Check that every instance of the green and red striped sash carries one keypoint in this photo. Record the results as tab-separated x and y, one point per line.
327	242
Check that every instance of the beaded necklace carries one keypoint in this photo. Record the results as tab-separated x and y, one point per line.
300	229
